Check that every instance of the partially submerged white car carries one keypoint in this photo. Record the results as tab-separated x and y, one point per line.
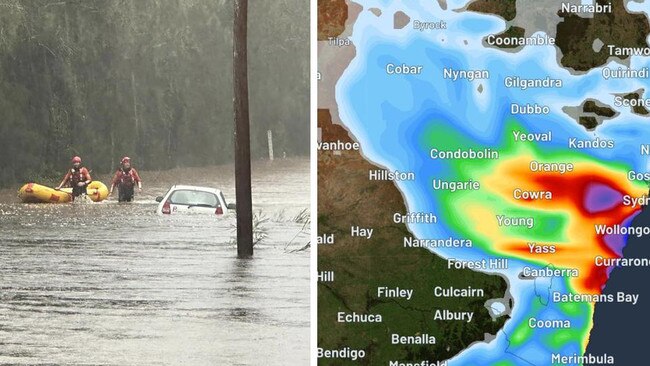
191	199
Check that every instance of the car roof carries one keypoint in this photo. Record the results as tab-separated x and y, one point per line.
195	188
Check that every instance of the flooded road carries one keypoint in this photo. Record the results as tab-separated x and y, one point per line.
117	284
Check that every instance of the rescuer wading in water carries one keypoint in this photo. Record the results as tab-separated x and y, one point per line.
78	178
126	178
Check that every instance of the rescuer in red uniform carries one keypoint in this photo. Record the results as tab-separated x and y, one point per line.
77	177
126	178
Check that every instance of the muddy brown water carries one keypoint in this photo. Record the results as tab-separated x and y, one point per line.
117	284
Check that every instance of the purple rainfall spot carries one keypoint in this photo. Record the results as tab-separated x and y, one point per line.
600	197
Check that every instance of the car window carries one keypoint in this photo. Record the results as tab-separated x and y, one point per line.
190	198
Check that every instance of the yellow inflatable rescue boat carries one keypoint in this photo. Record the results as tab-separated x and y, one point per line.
36	193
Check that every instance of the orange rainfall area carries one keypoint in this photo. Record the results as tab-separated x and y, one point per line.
555	214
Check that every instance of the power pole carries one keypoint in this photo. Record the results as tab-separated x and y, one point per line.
242	132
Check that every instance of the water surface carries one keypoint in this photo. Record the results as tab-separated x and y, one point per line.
117	284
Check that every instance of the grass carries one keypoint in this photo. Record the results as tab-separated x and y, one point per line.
303	217
260	233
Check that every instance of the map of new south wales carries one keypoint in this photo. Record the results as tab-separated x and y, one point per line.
482	178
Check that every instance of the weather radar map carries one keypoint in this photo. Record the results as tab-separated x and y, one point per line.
482	179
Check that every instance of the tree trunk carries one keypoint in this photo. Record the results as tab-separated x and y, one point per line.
136	142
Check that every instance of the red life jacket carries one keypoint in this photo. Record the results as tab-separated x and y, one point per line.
126	178
76	176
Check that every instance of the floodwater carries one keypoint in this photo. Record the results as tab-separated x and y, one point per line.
116	284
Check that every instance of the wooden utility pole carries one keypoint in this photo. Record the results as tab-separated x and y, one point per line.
242	133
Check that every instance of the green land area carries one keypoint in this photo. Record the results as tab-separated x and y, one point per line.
346	197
